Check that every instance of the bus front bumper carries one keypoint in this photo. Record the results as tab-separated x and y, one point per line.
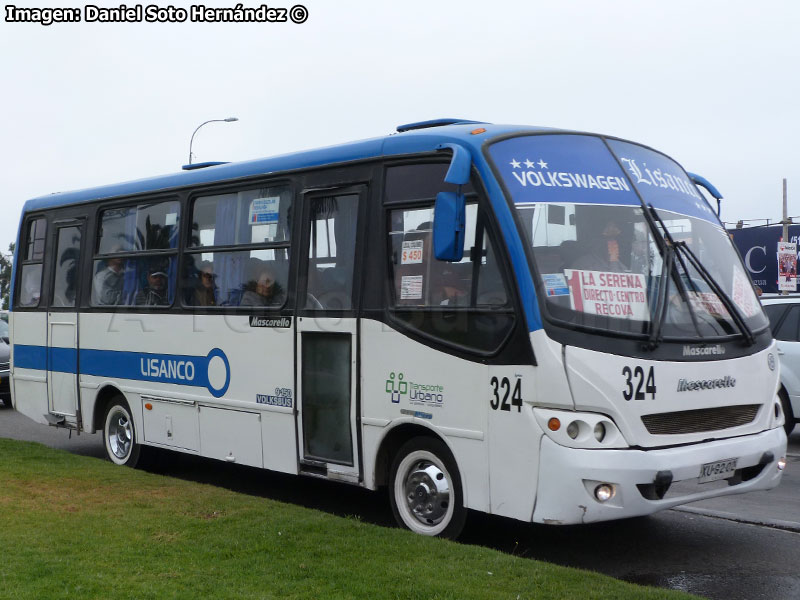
646	481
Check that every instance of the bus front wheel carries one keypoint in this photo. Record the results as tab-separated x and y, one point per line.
119	435
426	493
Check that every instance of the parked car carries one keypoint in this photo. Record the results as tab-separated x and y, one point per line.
5	357
784	318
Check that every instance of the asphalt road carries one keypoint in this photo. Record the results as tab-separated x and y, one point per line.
735	548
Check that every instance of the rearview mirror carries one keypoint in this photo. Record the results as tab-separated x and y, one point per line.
449	216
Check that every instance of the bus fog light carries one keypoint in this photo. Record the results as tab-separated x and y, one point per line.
781	463
599	432
604	492
573	429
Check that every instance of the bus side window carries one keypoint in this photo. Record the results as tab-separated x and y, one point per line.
131	267
30	288
421	280
464	303
215	273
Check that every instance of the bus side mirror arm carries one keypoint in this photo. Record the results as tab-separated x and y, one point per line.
705	183
460	164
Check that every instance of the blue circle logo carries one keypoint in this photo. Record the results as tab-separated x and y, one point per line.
217	353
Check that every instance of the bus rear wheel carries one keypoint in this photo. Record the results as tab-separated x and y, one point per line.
426	492
119	434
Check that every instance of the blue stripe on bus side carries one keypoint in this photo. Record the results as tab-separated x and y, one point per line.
140	366
30	357
186	370
62	360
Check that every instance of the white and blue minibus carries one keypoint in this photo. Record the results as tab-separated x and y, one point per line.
547	325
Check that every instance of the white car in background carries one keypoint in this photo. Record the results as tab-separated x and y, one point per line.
784	318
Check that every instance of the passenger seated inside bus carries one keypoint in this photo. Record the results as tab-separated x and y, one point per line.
205	291
262	288
155	293
108	282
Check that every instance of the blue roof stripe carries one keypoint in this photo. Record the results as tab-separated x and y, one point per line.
411	142
424	140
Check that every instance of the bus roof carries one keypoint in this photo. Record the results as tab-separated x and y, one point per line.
417	139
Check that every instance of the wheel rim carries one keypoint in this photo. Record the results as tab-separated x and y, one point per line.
119	436
423	493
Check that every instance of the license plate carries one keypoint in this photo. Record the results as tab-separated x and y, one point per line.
721	469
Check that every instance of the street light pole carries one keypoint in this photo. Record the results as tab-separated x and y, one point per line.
786	221
228	120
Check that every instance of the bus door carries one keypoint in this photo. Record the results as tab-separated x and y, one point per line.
62	324
327	340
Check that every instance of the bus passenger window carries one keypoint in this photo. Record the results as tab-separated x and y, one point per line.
130	266
31	274
31	286
256	277
248	278
139	228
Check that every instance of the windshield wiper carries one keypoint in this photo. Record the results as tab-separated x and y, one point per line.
676	260
670	245
729	304
666	246
661	304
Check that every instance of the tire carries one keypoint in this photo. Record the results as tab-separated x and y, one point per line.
425	489
119	435
787	412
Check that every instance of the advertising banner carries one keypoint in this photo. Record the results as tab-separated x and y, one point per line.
787	266
757	246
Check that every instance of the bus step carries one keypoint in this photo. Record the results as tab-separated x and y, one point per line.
314	468
61	422
56	420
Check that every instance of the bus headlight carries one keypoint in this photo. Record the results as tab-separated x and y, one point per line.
599	432
579	429
573	429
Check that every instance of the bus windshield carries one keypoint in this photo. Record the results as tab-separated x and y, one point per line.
599	259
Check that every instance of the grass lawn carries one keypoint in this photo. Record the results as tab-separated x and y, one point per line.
78	527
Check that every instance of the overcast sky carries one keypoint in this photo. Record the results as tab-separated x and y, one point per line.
715	84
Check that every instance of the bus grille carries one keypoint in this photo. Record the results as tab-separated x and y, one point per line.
697	421
4	366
